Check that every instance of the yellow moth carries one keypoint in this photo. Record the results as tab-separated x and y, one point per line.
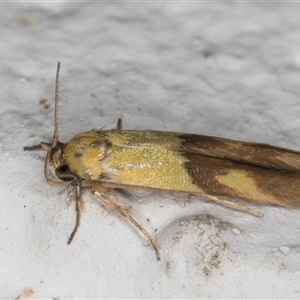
209	167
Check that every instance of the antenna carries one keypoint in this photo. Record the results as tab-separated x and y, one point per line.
55	134
47	146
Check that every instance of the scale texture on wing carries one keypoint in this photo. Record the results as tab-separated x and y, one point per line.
249	153
186	163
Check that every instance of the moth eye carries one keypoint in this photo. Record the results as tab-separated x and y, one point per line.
63	168
62	173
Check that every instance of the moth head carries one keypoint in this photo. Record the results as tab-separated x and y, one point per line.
55	164
54	154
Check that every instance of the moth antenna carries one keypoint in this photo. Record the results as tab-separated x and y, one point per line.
55	134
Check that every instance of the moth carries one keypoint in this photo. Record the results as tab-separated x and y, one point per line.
210	167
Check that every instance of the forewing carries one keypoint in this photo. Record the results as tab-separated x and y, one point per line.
256	154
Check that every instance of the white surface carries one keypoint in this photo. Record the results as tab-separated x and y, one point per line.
225	69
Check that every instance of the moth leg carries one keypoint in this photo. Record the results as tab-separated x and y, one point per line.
234	205
182	199
119	124
128	190
125	212
79	207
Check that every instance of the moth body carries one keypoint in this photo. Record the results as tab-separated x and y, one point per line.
172	161
210	167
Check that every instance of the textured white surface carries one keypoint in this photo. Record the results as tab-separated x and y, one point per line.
224	69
